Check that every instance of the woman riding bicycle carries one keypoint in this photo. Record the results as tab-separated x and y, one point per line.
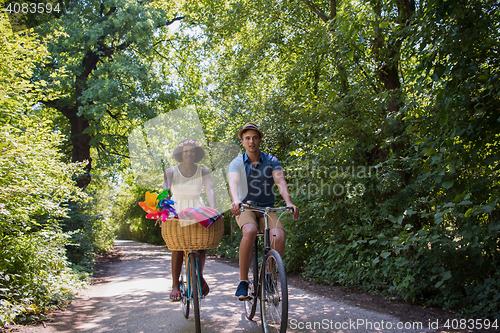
185	183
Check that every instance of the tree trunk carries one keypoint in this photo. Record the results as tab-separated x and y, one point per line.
81	144
387	53
79	124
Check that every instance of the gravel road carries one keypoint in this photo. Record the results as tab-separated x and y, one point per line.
131	295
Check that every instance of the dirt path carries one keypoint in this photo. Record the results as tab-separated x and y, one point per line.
130	294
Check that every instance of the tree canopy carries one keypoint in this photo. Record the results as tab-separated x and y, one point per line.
386	115
104	61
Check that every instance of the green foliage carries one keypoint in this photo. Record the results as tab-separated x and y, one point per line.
16	89
385	115
35	275
484	297
89	234
102	194
34	181
105	60
35	186
386	118
228	248
230	243
130	218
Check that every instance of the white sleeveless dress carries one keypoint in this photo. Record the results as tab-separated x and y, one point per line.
187	190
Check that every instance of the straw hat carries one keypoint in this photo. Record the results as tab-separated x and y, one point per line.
249	126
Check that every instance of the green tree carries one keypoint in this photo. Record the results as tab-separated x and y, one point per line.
385	114
456	130
34	179
34	186
103	61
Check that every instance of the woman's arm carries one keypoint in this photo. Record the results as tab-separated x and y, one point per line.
167	180
209	190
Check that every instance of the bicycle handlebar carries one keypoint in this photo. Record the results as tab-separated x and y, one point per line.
264	209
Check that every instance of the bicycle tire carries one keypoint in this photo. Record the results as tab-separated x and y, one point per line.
195	291
253	283
274	295
184	295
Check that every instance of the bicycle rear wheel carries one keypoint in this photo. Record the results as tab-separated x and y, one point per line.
184	295
274	295
253	282
195	291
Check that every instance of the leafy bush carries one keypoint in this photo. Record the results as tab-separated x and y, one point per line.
130	218
35	184
426	225
35	275
484	298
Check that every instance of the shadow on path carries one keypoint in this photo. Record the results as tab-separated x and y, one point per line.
131	295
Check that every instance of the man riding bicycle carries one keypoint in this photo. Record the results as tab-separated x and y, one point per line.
251	178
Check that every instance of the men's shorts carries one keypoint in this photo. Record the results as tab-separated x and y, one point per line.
258	219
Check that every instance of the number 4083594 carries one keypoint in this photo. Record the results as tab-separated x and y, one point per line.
31	8
476	324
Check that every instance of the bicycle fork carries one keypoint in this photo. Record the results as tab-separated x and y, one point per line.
261	280
187	264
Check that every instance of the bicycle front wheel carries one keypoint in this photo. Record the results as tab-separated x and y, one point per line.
253	282
194	288
274	295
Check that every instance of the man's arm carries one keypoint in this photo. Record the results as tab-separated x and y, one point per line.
279	179
234	181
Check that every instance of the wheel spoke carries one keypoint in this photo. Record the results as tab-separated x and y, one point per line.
184	294
250	305
275	312
195	291
273	285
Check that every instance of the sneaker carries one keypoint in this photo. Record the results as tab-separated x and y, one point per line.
242	291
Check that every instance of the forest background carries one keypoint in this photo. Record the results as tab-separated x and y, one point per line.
385	115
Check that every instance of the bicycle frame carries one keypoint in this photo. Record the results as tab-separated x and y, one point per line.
261	283
265	211
267	241
267	248
192	290
187	266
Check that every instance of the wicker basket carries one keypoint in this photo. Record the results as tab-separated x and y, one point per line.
193	236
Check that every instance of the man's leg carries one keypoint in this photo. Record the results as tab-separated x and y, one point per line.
278	239
276	232
247	221
246	248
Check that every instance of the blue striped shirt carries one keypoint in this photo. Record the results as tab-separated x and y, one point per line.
256	182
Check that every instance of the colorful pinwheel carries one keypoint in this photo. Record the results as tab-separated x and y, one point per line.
158	206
